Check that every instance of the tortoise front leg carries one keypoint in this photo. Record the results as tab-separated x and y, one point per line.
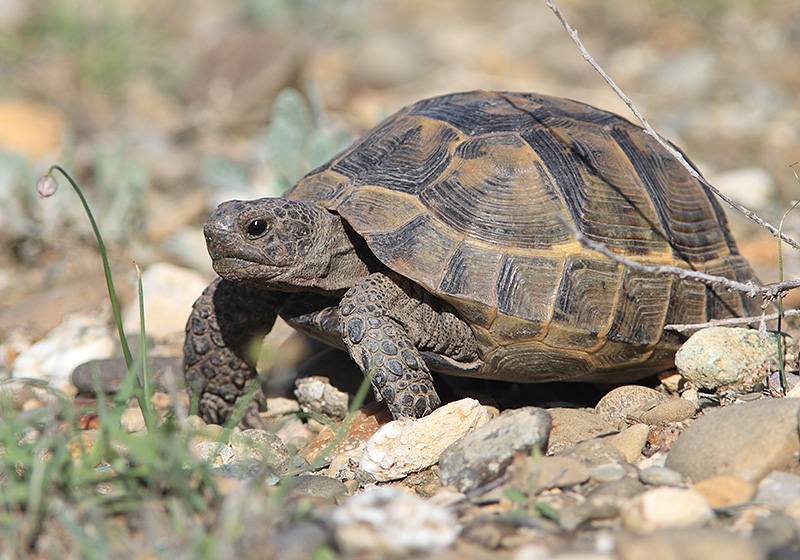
220	349
383	348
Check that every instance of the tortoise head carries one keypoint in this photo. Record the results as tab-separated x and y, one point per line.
269	242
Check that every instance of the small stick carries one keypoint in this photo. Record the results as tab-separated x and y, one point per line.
667	146
683	327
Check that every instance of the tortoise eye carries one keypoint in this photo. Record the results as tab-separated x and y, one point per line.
257	228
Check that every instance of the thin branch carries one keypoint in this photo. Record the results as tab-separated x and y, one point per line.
667	146
730	321
768	291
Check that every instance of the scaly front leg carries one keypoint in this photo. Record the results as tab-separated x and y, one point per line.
220	350
384	350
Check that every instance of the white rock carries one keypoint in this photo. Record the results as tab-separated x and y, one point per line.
667	507
390	522
76	340
405	446
169	292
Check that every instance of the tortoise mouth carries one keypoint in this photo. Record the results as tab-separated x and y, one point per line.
243	269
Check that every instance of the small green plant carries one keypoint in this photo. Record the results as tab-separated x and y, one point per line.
57	478
299	139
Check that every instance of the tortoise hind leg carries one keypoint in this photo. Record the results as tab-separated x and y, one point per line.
218	358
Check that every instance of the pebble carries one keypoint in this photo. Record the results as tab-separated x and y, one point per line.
132	420
405	446
617	404
667	507
778	489
673	410
554	472
725	491
688	544
726	359
747	440
661	476
53	358
572	425
387	522
363	425
482	456
315	486
261	446
110	372
607	472
316	395
631	441
594	452
169	292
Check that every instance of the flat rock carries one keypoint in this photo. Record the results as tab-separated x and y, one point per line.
726	358
661	476
483	455
554	472
165	372
747	440
672	410
315	486
405	446
594	452
572	425
667	507
619	403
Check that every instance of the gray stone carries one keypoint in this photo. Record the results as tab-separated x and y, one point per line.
726	358
483	455
747	440
661	476
572	425
315	486
316	395
778	489
165	372
594	452
555	472
623	401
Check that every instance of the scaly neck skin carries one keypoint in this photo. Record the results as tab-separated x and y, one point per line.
334	264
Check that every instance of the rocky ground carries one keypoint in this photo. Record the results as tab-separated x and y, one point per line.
162	111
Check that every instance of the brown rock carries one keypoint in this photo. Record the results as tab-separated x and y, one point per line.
618	403
724	491
746	440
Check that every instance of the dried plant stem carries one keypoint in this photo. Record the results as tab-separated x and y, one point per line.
669	147
731	321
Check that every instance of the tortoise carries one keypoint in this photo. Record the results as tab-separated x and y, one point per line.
442	241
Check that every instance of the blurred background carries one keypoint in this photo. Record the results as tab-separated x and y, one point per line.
161	110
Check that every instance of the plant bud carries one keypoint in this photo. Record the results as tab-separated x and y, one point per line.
46	186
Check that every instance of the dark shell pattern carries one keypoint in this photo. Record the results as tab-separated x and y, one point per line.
465	194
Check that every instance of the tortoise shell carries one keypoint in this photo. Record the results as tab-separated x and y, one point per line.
465	194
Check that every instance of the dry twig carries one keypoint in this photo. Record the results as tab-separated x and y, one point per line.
669	147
